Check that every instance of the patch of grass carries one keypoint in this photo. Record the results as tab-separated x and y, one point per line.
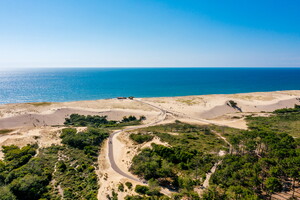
40	104
76	174
141	138
225	131
5	131
188	102
191	136
284	121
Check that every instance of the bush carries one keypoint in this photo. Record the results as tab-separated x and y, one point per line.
121	187
140	189
83	140
16	157
129	185
61	166
296	109
6	194
100	121
141	138
135	197
232	104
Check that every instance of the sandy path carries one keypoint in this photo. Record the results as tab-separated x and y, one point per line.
115	148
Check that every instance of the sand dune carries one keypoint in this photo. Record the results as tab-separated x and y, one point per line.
214	106
58	117
203	106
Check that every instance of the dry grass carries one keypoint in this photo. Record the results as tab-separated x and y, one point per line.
5	131
40	104
188	102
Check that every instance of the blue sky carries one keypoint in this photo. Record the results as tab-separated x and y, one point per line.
149	33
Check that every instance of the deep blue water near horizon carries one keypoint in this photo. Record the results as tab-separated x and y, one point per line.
60	85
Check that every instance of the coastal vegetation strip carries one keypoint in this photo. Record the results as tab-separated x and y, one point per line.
101	121
5	131
56	172
263	161
183	164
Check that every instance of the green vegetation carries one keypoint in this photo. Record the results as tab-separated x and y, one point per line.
114	195
164	163
75	174
285	120
182	165
151	192
25	177
70	168
192	137
40	104
101	121
121	187
129	185
188	102
232	103
5	131
265	159
76	168
88	141
141	138
296	109
141	189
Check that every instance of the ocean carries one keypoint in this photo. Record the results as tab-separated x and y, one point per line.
61	85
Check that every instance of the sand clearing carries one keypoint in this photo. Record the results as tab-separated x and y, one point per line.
212	107
58	117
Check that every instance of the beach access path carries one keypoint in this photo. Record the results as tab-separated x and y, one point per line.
160	118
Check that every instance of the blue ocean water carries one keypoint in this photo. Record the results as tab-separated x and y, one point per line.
59	85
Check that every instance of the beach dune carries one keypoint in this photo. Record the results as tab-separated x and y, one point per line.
209	107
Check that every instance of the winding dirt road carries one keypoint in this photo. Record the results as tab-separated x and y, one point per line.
161	117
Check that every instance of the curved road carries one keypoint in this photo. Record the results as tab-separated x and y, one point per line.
113	164
163	116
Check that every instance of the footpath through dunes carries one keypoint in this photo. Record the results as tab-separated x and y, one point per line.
114	151
221	153
161	117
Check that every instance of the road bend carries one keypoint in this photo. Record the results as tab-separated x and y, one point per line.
161	117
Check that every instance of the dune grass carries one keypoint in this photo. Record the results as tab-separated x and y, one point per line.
37	104
5	131
182	134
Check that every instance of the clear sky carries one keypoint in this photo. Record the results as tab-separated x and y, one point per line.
149	33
